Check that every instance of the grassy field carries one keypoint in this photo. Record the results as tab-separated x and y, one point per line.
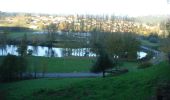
67	64
138	85
70	64
147	43
19	35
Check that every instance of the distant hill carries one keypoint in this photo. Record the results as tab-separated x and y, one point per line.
151	19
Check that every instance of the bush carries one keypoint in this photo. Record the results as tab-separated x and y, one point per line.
103	62
12	68
145	65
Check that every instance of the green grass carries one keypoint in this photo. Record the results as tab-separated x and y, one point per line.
138	85
20	90
17	35
131	66
67	64
147	43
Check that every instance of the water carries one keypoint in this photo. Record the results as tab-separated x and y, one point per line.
141	54
45	51
55	52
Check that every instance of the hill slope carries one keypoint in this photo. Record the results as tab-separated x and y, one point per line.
138	85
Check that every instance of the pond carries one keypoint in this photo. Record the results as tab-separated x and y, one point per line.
55	52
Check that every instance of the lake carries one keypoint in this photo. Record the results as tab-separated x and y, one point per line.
55	52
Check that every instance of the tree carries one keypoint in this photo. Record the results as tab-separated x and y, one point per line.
122	44
22	48
51	31
96	38
103	61
168	27
3	40
12	68
165	47
119	44
51	36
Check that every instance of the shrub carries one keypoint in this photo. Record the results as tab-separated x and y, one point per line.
103	62
145	65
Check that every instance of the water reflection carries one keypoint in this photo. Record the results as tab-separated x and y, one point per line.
49	52
55	52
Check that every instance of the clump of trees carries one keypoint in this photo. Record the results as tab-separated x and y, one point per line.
111	48
124	45
12	68
121	45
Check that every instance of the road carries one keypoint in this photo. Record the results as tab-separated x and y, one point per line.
158	55
66	75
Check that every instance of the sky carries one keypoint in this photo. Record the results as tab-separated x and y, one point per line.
117	7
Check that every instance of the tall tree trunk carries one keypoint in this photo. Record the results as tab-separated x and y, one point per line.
20	76
169	57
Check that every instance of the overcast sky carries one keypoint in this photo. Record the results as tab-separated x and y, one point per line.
118	7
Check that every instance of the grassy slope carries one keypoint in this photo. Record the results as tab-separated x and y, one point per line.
131	66
138	85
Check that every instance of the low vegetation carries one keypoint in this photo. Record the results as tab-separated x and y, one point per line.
145	65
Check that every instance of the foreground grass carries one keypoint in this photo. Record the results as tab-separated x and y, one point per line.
138	85
131	66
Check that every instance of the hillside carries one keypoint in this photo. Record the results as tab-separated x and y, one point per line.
138	85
